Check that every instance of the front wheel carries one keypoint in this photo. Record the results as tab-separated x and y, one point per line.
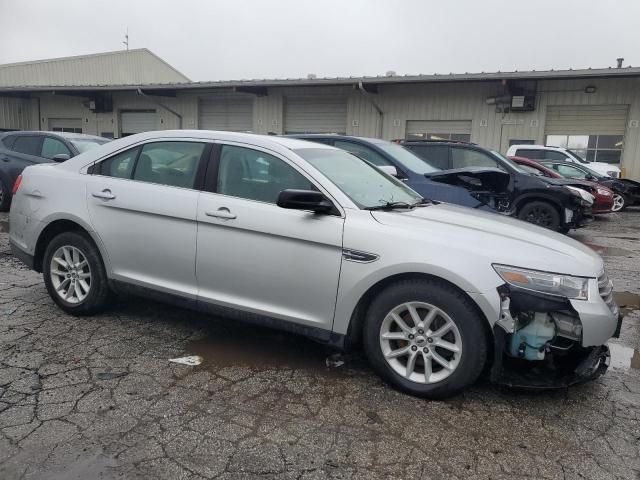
425	338
619	202
74	274
540	213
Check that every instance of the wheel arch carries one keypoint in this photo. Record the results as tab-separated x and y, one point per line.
538	197
358	316
56	226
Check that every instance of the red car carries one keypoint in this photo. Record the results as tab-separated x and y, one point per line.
603	202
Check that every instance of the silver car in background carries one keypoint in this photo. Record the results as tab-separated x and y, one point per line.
314	240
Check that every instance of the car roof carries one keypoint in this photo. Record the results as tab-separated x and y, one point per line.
67	135
375	141
536	147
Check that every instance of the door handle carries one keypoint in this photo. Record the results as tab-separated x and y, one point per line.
222	212
104	194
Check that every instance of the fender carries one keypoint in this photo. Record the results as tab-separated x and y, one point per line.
537	195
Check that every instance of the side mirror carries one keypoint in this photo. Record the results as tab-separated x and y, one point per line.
305	200
61	157
389	170
588	176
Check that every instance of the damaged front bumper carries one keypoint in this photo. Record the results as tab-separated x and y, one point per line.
545	342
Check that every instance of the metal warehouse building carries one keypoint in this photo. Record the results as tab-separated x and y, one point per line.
593	111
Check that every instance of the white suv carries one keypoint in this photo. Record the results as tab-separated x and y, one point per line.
314	240
542	152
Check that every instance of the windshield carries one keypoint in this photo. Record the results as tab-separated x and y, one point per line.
511	163
358	179
407	158
85	144
577	156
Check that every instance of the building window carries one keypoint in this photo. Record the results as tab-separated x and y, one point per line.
67	129
594	148
456	137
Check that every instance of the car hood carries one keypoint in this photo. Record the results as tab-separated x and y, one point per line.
498	238
473	178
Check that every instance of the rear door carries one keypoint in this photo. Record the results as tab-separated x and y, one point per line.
255	256
142	204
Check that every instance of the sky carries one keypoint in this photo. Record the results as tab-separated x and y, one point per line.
240	39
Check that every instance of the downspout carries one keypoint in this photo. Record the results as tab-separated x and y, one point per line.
160	104
375	105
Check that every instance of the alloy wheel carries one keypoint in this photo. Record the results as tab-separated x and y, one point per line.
539	216
618	203
420	342
70	274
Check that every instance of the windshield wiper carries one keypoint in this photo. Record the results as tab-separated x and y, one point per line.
394	205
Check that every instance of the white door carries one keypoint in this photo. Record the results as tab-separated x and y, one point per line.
228	113
137	122
142	204
315	114
258	257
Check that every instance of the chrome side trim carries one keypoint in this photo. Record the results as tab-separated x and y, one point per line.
359	256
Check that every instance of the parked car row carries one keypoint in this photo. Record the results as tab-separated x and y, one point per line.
312	239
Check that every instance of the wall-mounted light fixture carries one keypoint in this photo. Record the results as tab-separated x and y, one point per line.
590	89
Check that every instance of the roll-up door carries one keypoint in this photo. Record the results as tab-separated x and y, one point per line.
137	122
73	125
229	113
439	129
315	114
586	119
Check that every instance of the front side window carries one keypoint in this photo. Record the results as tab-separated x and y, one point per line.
407	158
464	157
169	163
570	172
436	155
28	144
363	183
362	152
255	175
52	147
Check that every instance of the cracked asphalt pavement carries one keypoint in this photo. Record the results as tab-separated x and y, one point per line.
84	398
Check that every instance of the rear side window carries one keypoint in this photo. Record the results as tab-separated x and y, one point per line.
436	155
52	147
552	155
7	141
362	152
464	157
29	145
169	163
529	153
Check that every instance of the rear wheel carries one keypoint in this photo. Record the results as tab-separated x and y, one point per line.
540	213
425	338
74	274
5	197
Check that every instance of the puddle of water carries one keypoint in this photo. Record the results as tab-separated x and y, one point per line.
627	301
258	348
624	358
609	251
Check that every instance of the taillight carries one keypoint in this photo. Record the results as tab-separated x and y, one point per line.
16	184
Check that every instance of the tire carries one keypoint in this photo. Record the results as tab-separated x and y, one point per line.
75	298
540	213
5	197
468	335
619	202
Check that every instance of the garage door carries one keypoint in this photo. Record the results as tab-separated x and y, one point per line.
315	115
586	120
234	114
439	130
137	122
73	125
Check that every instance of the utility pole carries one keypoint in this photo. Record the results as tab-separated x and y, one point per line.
126	39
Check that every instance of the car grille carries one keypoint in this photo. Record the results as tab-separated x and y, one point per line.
605	288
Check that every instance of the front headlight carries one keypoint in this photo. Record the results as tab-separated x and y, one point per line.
612	173
603	192
544	282
583	194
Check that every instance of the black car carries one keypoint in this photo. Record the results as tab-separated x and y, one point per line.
626	192
18	150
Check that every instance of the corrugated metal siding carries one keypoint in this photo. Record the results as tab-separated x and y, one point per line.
230	113
586	119
114	68
430	127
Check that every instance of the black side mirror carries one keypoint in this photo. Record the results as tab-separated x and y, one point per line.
306	200
61	157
